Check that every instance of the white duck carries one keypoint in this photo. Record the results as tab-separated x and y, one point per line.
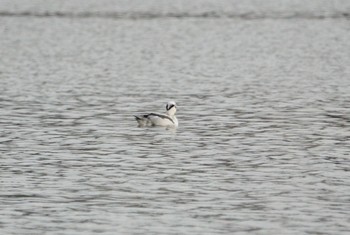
156	119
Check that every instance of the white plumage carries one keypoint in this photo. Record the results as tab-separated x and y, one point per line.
155	119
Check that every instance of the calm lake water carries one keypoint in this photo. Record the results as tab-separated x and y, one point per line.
263	142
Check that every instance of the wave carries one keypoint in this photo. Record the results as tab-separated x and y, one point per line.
180	15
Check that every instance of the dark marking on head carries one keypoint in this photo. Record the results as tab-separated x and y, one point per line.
168	107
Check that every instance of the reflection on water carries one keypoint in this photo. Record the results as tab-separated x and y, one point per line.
262	145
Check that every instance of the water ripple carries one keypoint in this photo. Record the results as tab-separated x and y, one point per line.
181	15
262	146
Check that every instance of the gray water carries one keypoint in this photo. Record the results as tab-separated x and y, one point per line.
264	123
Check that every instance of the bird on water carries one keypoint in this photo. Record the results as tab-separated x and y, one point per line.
156	119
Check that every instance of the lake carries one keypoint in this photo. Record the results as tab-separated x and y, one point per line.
263	141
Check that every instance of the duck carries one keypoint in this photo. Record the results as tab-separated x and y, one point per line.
156	119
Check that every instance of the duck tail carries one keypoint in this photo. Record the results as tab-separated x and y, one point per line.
141	121
137	118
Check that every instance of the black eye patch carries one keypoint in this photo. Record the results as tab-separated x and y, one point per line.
169	107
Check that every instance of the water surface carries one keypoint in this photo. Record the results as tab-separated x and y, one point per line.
263	141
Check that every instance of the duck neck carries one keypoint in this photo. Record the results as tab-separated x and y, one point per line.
171	112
